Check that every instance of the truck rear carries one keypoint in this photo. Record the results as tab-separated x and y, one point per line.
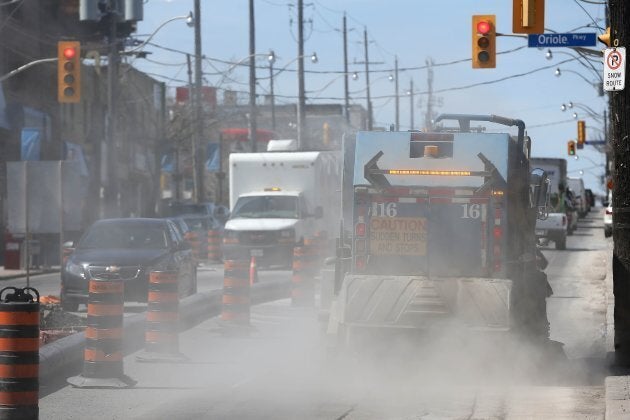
442	234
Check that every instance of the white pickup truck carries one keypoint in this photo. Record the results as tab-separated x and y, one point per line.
553	228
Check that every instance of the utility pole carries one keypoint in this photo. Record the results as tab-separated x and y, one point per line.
411	123
272	58
193	140
367	80
110	194
253	126
345	70
301	120
397	94
620	132
199	171
428	118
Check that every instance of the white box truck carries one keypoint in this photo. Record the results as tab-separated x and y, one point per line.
277	199
577	186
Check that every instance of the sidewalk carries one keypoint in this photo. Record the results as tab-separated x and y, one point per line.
6	274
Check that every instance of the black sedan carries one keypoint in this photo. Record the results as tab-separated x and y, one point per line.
135	247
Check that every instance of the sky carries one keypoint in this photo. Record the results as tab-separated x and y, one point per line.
413	30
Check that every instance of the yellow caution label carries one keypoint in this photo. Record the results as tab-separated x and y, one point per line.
398	236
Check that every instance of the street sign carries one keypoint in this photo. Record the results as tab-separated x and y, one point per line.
614	69
562	40
595	142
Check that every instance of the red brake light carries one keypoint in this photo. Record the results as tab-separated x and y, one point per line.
69	53
360	229
498	233
483	27
608	211
360	263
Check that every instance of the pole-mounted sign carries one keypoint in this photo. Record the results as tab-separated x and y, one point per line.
614	69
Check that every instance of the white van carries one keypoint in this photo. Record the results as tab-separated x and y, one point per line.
577	186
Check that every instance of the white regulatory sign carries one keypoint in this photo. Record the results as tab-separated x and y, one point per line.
614	68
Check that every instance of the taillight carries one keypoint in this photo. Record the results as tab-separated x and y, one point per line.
360	262
609	211
360	229
497	232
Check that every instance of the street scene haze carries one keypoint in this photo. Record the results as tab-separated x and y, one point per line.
318	210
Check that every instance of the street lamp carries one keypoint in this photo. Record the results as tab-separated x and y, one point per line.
271	58
190	21
591	112
597	85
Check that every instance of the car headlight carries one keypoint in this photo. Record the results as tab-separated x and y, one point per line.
75	269
230	237
287	235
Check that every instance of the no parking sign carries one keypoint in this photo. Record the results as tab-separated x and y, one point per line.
614	69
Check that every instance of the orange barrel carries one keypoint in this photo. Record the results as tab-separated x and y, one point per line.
19	353
162	334
103	355
236	298
214	248
302	287
195	244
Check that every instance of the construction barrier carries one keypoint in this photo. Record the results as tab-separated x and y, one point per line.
253	271
236	292
303	283
162	333
198	244
19	353
214	245
103	356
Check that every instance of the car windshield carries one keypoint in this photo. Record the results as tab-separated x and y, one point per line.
259	207
126	236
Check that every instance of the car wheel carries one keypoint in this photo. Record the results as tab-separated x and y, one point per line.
561	244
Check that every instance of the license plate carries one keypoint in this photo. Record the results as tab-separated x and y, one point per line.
541	232
256	252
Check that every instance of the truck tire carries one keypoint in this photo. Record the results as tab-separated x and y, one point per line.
561	243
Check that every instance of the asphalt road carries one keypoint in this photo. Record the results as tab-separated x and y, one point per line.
279	368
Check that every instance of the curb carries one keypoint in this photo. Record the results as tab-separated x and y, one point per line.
66	354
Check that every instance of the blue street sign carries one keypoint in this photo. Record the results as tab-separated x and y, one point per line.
595	142
562	40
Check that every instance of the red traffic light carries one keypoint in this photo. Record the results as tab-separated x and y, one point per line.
484	27
69	53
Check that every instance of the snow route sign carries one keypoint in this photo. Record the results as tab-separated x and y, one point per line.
614	69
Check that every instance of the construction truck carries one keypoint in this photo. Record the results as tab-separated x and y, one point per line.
438	229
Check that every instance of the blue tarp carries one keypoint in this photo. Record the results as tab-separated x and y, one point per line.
74	152
168	162
213	157
31	143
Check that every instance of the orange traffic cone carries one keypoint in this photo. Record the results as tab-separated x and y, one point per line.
253	271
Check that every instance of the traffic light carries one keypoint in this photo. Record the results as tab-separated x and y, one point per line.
484	36
528	16
571	148
68	71
581	134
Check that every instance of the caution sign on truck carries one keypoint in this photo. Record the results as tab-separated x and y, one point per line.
398	236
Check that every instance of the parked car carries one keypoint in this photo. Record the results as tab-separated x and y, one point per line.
219	212
608	216
135	246
180	224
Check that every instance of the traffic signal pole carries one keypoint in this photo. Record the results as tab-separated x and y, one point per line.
620	133
110	193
